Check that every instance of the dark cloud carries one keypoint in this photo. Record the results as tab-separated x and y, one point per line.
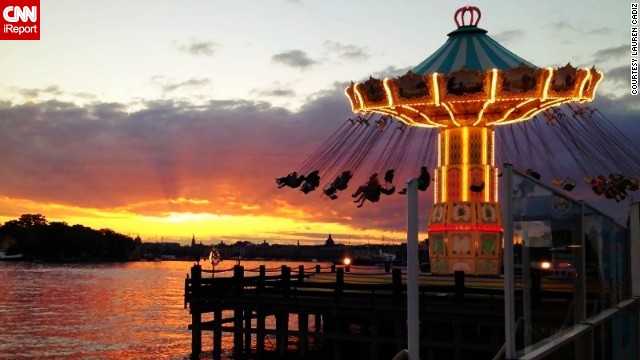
566	27
347	52
623	107
509	36
294	58
390	71
168	86
618	76
274	92
194	47
611	54
34	93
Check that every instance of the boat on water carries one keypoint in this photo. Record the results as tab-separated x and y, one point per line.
375	258
5	257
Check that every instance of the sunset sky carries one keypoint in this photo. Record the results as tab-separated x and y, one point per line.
169	119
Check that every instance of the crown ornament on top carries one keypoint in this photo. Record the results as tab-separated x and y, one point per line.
473	19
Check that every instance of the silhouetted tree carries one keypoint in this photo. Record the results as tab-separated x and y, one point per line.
36	238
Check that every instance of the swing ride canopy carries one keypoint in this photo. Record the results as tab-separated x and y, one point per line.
472	81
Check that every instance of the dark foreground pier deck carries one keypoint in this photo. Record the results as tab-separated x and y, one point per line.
351	313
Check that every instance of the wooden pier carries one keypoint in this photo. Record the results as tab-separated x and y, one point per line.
341	313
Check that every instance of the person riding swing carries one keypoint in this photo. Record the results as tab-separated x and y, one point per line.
312	181
370	191
291	180
339	183
424	180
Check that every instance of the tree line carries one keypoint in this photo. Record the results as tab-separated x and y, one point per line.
36	238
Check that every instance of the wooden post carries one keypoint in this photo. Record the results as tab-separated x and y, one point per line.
373	341
238	283
262	278
187	283
285	277
217	335
301	273
536	289
398	331
396	276
247	332
260	325
303	330
317	324
459	287
457	339
317	269
196	315
337	330
282	334
339	283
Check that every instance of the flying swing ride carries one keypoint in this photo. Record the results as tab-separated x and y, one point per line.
470	103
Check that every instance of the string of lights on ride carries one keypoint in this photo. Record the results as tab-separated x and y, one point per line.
588	82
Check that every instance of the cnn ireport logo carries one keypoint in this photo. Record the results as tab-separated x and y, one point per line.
20	20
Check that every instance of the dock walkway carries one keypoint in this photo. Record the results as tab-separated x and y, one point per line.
347	312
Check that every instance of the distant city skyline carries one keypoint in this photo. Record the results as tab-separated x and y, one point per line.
172	119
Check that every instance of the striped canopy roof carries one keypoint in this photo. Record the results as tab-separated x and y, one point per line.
470	47
472	81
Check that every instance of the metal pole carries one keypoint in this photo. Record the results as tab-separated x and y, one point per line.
634	241
413	299
582	343
509	313
581	271
526	283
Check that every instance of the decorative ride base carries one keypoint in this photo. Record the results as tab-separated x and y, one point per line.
461	238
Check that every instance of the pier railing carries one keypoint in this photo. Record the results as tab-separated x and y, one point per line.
287	281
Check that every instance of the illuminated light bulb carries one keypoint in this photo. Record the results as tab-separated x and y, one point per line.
443	183
451	115
387	90
356	90
547	83
436	89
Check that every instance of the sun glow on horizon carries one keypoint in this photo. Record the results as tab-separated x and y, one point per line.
182	225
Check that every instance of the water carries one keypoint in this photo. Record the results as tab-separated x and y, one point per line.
98	311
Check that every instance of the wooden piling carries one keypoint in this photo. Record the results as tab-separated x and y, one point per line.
217	335
247	331
282	337
260	332
196	315
303	338
238	276
301	273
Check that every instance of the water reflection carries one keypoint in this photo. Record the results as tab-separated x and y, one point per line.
99	311
105	311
